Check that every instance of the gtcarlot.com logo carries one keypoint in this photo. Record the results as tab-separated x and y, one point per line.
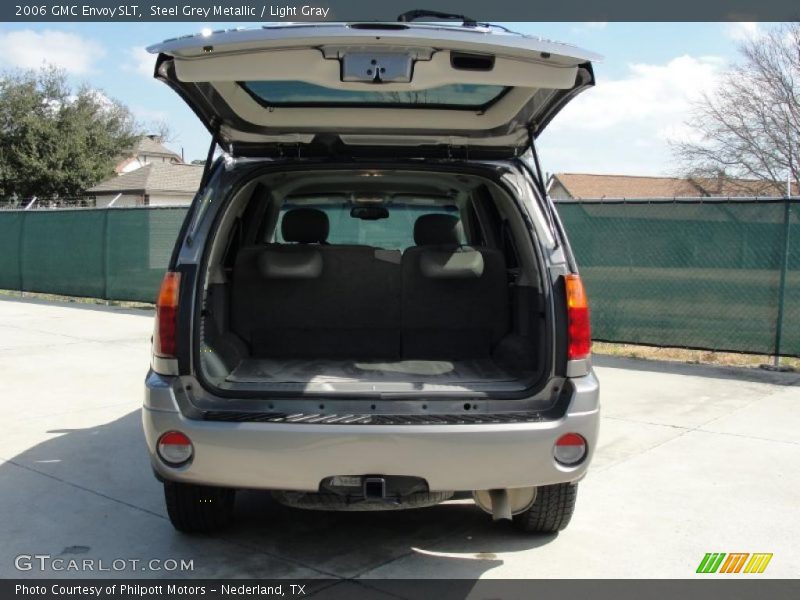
45	562
734	562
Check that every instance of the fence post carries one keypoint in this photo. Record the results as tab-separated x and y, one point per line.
20	251
787	215
104	251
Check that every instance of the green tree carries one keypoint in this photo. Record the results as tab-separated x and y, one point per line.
56	142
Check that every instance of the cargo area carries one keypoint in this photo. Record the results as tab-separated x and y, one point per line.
473	374
395	282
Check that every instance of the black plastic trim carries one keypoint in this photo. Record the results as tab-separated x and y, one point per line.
371	419
186	299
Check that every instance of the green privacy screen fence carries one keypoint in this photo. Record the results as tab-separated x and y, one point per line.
715	274
115	254
712	274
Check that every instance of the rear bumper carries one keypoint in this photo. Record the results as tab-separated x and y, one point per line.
294	456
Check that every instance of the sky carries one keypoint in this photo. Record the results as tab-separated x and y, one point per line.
649	77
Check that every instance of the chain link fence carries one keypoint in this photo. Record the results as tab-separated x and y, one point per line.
46	203
705	273
113	254
700	273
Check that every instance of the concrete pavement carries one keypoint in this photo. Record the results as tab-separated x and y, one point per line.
691	460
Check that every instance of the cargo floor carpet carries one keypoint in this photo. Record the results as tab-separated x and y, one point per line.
472	374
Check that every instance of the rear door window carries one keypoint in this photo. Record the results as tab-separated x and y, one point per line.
300	93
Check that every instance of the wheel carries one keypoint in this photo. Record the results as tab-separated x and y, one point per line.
551	511
198	508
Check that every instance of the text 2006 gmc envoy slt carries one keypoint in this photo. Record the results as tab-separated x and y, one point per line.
372	303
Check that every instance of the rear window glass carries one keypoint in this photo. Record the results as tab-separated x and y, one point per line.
393	233
300	93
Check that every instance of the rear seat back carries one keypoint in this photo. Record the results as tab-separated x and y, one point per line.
454	298
309	299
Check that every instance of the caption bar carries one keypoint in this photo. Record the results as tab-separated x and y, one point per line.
168	590
389	10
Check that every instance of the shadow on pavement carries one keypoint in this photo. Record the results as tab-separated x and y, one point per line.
141	308
697	370
90	492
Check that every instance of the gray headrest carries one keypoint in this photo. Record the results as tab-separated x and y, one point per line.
442	264
437	230
299	263
305	225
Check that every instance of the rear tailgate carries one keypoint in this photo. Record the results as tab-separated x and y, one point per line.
373	85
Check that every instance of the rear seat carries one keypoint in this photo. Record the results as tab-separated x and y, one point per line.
292	300
307	299
454	297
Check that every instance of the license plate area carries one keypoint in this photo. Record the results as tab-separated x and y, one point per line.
377	67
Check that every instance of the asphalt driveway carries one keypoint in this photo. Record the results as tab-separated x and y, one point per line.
692	459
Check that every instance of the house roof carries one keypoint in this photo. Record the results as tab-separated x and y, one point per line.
724	187
152	146
154	178
584	185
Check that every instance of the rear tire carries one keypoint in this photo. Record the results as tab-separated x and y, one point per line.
198	508
551	511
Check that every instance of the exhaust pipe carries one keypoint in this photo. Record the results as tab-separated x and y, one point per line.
501	507
504	503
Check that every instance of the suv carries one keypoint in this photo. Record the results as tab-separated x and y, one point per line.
372	303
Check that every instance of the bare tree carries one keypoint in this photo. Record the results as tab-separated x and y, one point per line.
162	129
750	125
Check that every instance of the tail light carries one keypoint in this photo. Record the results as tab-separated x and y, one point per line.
579	330
570	449
175	448
166	328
